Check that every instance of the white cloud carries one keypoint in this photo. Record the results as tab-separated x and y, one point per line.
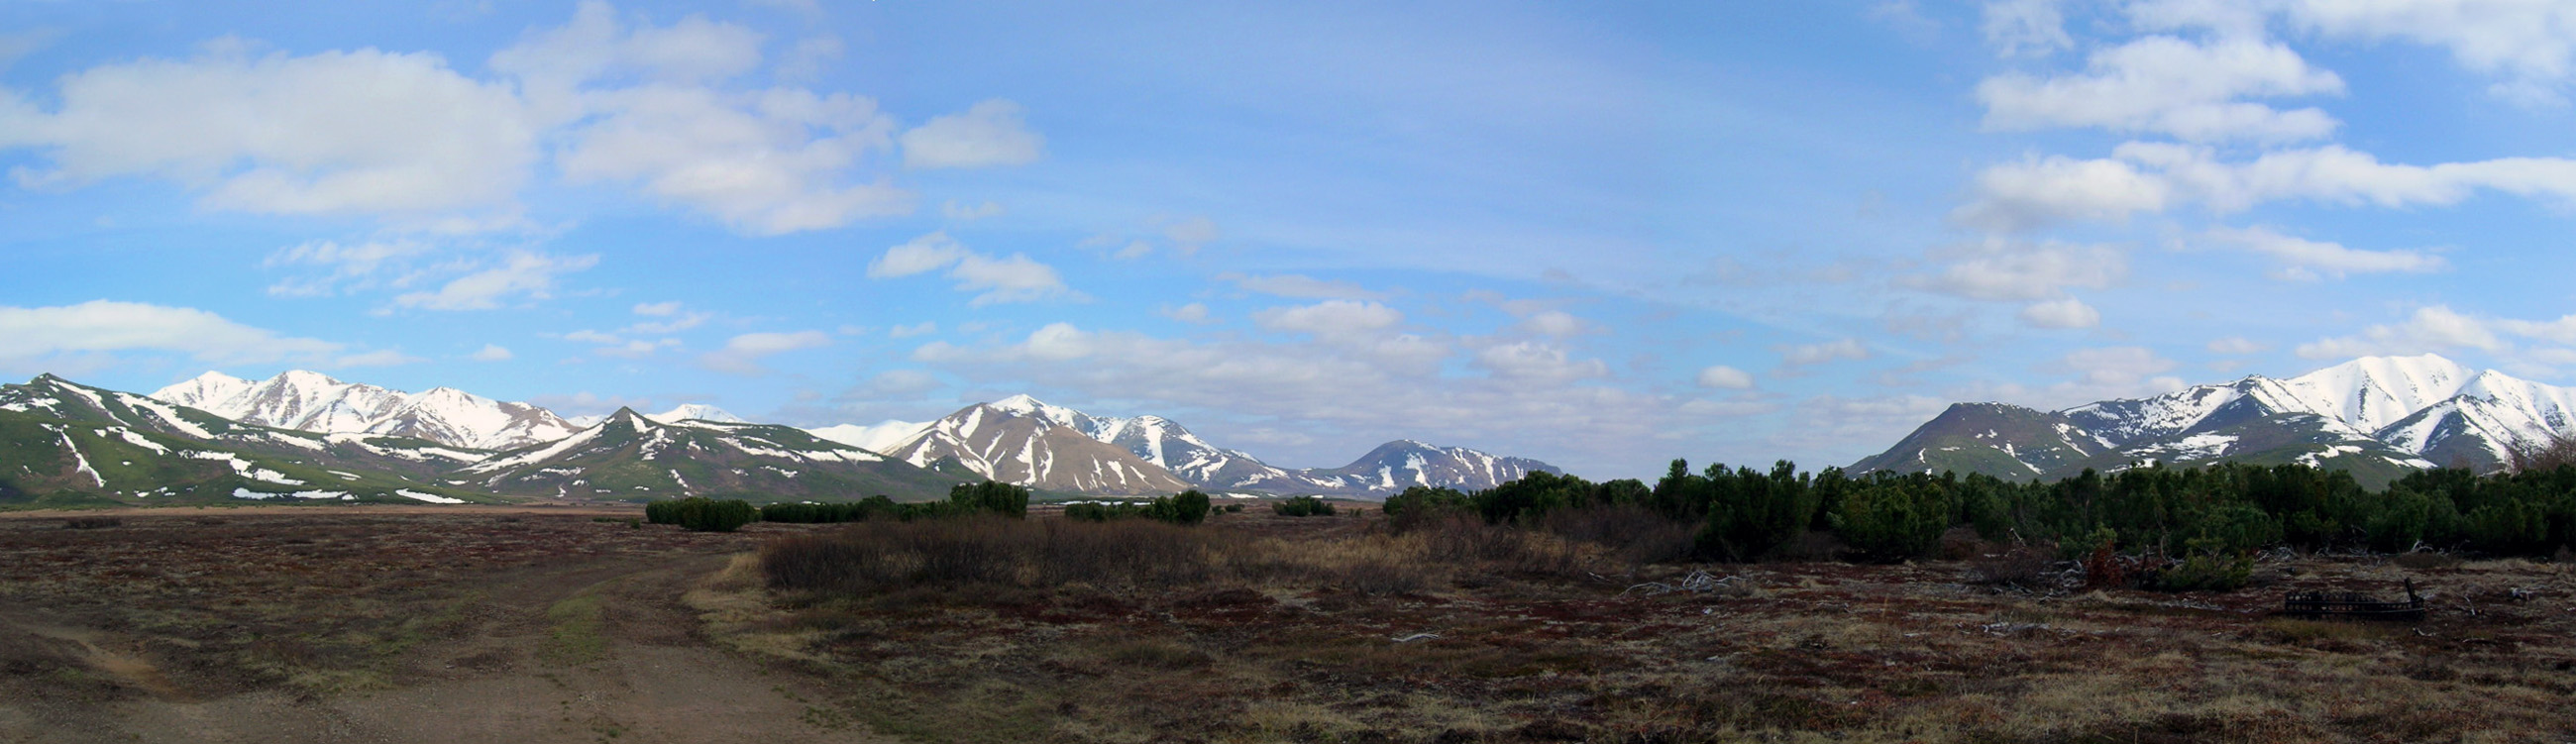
1330	318
1017	278
962	213
2066	313
351	267
2433	328
2238	345
2309	260
1537	360
768	162
1556	323
491	353
923	328
520	275
989	133
1300	286
2006	270
1195	313
1722	376
657	308
2525	39
2026	27
810	57
1820	353
336	133
2154	177
742	354
2037	192
2169	85
99	326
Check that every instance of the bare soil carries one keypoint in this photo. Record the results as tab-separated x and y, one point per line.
386	624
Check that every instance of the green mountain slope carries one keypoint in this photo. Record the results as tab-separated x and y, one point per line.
629	456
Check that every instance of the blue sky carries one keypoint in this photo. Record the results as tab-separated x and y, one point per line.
1603	237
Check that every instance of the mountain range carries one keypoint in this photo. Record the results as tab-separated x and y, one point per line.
306	435
2378	417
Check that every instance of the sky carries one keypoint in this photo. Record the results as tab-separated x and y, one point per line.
1600	235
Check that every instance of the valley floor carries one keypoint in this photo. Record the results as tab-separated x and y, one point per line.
413	625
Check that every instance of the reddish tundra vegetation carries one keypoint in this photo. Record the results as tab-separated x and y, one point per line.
389	624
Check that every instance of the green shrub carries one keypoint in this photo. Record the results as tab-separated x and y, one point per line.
1184	508
1892	521
2206	573
698	514
1302	506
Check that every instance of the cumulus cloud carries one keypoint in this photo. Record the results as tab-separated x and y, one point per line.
923	328
742	354
2434	328
1189	235
2167	85
2006	270
491	353
1819	353
521	275
987	134
337	133
2310	260
1195	313
107	326
2147	177
2066	313
1722	376
407	138
1016	278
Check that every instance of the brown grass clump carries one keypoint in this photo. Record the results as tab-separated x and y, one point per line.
990	551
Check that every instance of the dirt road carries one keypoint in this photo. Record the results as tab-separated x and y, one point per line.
366	626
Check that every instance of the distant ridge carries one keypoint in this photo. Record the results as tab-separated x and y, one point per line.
2378	417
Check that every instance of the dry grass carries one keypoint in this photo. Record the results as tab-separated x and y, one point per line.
1461	633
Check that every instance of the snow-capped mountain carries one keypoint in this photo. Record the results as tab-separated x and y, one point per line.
1023	445
696	412
314	402
1404	463
1001	440
2378	416
74	445
879	437
629	455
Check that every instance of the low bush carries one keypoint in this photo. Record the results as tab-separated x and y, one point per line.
2205	573
92	523
698	514
1302	506
989	551
1184	508
2023	567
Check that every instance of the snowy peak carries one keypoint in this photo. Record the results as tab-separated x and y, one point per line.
879	437
1405	463
2382	415
697	412
314	402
